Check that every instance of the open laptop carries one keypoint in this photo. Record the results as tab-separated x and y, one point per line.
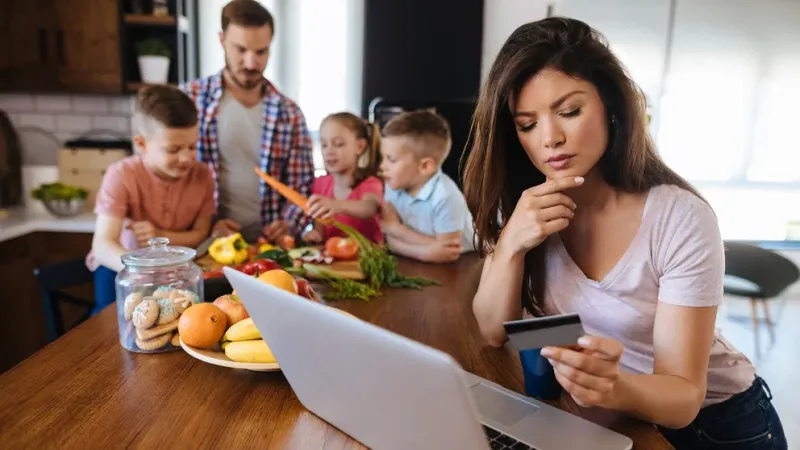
390	392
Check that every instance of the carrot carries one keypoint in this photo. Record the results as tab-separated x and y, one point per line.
293	196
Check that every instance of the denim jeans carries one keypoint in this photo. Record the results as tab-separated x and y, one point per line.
746	421
105	291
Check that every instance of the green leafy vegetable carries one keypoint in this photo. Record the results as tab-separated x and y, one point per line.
277	255
343	288
58	191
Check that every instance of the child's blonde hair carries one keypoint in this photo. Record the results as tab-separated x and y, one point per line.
429	131
369	161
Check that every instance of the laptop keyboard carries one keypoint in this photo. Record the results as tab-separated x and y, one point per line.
500	441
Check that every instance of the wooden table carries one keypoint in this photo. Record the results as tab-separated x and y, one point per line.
85	391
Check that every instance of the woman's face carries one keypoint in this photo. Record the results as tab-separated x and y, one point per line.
561	123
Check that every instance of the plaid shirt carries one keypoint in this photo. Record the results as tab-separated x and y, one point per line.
286	147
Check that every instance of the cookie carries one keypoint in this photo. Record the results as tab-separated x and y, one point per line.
154	343
131	302
145	314
163	292
166	311
176	340
157	330
182	299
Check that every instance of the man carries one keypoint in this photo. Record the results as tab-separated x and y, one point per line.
245	122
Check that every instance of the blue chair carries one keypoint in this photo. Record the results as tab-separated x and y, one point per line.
758	274
52	279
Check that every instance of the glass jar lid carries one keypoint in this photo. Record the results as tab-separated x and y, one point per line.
159	254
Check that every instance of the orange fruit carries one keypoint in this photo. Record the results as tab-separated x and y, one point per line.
280	279
202	325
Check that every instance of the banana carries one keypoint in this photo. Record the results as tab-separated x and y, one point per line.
249	352
244	330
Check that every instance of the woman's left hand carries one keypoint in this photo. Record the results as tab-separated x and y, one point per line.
589	371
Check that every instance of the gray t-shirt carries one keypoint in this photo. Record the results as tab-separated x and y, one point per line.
239	130
676	257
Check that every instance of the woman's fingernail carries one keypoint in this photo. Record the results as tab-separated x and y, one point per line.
579	180
550	361
546	352
585	341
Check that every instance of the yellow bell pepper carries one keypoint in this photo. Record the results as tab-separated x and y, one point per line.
265	247
229	250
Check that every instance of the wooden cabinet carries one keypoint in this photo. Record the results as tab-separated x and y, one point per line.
87	48
27	58
60	46
23	331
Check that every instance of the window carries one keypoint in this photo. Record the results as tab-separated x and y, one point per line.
721	80
316	58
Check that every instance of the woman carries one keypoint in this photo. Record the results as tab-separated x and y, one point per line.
576	211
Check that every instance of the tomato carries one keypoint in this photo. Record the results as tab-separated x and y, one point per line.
265	265
213	274
248	268
286	242
341	248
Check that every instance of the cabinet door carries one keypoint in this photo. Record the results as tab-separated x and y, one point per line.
27	55
87	46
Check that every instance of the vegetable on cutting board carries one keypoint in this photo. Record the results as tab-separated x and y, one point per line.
229	249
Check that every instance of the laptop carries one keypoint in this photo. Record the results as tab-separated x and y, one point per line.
390	392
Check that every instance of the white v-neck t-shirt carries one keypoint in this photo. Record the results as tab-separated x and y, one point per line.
676	257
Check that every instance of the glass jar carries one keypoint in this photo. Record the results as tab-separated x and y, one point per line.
157	284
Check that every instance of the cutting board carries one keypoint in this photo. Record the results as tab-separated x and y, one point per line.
344	269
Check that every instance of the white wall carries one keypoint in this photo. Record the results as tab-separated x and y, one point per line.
500	19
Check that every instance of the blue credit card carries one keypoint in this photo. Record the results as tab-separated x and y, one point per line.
551	331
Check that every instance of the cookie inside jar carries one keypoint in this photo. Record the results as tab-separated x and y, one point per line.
156	286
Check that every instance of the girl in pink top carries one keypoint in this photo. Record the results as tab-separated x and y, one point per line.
350	192
576	212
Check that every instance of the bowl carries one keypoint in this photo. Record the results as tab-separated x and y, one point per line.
65	208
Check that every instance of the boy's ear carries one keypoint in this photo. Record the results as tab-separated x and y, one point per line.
222	38
140	143
428	165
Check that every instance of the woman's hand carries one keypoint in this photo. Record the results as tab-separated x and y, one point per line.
321	207
541	211
590	371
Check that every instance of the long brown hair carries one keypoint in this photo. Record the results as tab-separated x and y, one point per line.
370	160
498	170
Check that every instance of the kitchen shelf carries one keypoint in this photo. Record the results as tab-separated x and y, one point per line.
147	19
134	86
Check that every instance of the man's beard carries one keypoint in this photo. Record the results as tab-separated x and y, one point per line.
248	85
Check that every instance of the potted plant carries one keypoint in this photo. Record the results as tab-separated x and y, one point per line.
153	61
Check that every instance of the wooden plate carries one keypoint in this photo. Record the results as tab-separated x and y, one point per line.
218	358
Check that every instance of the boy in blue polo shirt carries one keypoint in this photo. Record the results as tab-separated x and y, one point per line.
425	216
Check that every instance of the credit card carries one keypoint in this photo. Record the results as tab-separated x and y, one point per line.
552	331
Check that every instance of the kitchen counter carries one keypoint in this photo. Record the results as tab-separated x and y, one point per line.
16	222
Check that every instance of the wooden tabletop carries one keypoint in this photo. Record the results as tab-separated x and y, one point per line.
85	391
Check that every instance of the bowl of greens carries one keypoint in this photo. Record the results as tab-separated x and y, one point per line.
60	199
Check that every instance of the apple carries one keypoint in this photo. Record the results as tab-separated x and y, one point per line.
304	289
234	309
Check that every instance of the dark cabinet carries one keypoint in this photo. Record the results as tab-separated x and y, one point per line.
60	46
24	332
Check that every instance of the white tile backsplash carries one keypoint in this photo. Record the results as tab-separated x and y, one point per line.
15	103
121	105
32	177
53	103
73	123
119	124
87	104
45	121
